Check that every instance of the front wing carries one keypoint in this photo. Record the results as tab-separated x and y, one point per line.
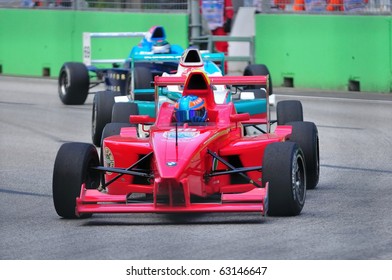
94	201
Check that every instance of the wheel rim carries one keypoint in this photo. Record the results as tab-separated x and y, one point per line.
298	179
94	120
130	91
64	83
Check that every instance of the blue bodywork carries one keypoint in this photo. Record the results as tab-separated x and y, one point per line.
116	77
154	35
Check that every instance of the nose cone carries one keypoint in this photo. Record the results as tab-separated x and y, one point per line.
191	58
177	150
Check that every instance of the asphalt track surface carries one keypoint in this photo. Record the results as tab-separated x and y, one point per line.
347	217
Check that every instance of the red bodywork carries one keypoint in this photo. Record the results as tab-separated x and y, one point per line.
179	165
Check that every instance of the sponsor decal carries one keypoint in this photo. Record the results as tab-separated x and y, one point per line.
108	159
182	133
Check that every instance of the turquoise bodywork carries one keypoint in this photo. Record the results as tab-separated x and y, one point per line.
253	106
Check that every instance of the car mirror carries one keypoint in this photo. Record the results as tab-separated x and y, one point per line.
141	119
240	117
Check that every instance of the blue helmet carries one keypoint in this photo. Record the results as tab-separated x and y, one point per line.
190	108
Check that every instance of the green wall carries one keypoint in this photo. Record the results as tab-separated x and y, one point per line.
315	51
31	40
326	51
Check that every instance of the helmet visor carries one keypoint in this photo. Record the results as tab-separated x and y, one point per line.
190	115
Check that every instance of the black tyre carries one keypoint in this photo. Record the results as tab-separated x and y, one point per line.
113	129
285	171
259	94
259	69
128	86
110	130
289	111
122	110
101	114
71	170
305	134
73	83
142	79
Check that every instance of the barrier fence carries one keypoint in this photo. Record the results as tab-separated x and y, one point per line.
262	6
131	5
322	6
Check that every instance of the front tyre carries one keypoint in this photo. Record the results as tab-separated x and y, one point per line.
72	168
305	134
73	83
285	171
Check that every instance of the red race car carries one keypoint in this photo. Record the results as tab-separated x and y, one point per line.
196	157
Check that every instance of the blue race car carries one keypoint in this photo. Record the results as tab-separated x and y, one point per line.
76	78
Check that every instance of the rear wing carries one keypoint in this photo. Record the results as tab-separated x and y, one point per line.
215	80
206	56
87	51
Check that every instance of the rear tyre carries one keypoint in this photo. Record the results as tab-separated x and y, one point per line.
289	111
284	170
259	69
259	94
113	129
305	134
71	170
101	114
110	130
73	83
121	111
